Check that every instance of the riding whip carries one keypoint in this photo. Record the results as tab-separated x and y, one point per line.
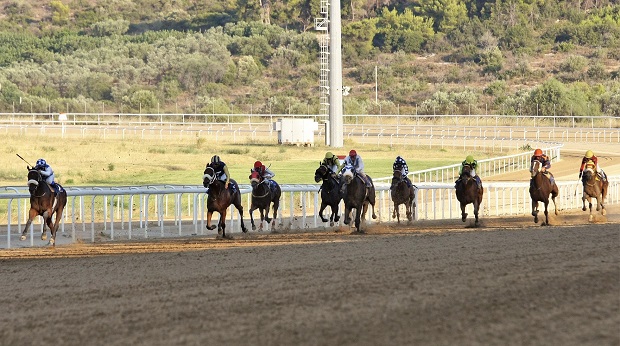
24	160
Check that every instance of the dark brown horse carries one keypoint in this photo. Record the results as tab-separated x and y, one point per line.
330	193
356	196
593	187
540	189
262	197
220	198
467	192
402	194
44	203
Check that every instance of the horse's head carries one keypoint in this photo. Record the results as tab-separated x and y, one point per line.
348	173
321	173
208	177
588	174
466	171
255	179
397	177
34	177
536	168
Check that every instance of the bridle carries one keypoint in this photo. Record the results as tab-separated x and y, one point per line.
36	183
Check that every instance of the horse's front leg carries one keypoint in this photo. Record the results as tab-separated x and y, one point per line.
546	223
602	203
463	213
535	210
50	225
267	218
396	213
31	216
210	227
262	217
476	209
347	214
335	214
358	218
251	211
323	206
276	205
221	225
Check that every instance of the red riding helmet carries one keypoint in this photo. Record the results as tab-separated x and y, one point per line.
352	153
258	164
538	152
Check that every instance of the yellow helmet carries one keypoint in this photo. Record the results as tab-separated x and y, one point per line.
329	155
589	154
469	159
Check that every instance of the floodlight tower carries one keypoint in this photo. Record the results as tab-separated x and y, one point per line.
331	70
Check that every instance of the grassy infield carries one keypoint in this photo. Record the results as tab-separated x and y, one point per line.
116	162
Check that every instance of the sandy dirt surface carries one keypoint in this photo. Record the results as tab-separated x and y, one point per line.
508	282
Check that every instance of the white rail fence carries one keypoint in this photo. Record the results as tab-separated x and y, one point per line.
108	214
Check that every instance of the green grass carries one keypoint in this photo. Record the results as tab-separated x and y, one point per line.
115	162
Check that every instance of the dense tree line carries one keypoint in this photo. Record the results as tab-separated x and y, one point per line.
220	56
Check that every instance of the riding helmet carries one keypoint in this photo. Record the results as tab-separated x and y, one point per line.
41	162
589	154
399	159
352	153
215	159
258	164
538	152
469	159
329	155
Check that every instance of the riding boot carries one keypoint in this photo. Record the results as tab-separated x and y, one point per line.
456	183
478	182
207	191
531	183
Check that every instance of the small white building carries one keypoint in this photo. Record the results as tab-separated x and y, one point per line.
296	131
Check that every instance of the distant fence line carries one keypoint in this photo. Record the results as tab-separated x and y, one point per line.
141	119
172	211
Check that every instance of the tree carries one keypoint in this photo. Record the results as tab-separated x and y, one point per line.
60	12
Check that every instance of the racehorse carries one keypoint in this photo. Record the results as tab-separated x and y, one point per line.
401	194
356	196
467	192
219	199
43	202
540	189
593	187
330	193
262	197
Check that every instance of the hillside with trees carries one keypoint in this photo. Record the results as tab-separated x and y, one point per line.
262	56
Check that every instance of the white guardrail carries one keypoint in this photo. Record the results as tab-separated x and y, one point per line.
107	214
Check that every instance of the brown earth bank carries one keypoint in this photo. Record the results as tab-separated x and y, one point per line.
508	282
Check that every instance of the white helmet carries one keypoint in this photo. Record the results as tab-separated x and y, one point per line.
41	163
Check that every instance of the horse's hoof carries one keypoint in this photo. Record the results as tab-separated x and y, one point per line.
346	222
331	224
535	220
374	216
43	236
210	228
52	242
244	230
268	219
22	237
604	212
463	219
336	218
584	208
324	219
591	217
253	228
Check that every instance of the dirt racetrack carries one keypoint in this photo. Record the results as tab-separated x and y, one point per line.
508	282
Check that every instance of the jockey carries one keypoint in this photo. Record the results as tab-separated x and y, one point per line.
356	162
589	156
544	161
221	171
401	165
332	162
264	172
46	172
473	164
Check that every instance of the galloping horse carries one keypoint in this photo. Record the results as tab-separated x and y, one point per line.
356	195
43	202
593	187
330	193
262	197
539	192
467	192
219	200
402	194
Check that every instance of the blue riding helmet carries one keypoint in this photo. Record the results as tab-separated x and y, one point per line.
41	162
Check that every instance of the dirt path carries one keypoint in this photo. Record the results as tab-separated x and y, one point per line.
509	282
